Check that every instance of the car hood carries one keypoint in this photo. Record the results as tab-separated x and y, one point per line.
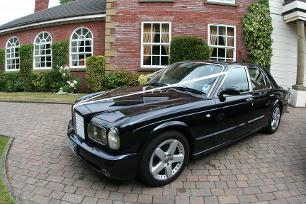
130	101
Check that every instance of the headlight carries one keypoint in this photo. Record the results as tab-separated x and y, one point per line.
113	139
96	133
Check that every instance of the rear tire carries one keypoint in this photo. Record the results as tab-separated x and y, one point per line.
164	159
275	119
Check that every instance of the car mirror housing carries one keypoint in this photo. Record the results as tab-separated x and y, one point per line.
229	92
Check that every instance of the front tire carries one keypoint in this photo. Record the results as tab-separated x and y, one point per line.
275	119
164	159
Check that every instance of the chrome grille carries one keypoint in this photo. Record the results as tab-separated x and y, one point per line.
79	125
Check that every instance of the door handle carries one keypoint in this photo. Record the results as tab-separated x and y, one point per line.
249	99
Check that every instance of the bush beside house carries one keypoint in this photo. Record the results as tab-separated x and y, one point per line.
188	48
257	32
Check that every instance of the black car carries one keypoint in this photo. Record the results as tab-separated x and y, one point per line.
187	110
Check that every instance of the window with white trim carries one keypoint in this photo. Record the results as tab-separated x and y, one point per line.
222	1
81	47
12	54
222	42
155	44
43	51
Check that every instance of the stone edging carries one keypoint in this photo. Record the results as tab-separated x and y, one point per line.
3	170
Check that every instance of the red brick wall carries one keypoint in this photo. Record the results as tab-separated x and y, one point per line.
61	32
187	18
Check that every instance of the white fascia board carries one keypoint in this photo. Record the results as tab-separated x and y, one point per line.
54	21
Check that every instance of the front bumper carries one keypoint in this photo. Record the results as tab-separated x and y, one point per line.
122	167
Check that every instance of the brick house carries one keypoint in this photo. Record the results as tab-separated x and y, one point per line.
133	34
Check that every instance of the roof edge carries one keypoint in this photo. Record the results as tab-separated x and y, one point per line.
55	22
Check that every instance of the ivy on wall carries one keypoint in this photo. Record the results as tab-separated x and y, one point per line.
26	64
257	30
2	59
60	53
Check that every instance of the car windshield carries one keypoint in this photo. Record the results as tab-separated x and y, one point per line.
185	75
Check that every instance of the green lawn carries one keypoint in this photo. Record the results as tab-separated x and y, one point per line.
38	97
4	194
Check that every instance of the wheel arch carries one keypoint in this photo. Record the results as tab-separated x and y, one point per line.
177	126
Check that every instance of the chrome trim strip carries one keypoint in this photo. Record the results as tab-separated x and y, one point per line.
220	132
251	121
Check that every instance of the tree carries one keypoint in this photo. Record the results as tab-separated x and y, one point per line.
257	30
65	1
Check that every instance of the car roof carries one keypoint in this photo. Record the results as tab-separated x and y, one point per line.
225	64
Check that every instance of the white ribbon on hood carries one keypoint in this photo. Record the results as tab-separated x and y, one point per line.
87	101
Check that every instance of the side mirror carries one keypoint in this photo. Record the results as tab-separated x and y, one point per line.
229	92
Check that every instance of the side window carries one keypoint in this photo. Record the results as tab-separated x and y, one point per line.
237	79
257	79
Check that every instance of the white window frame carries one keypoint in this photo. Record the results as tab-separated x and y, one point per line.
221	46
34	55
230	2
142	43
6	58
70	48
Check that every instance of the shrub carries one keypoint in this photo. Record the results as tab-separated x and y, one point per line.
188	48
143	79
54	80
11	82
71	84
60	53
115	79
257	30
95	73
26	64
2	59
46	81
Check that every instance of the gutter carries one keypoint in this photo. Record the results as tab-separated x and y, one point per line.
54	22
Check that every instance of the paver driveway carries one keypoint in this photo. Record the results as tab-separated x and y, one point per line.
261	168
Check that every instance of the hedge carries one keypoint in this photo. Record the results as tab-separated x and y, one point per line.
188	48
95	73
2	59
60	53
257	32
11	82
116	79
26	64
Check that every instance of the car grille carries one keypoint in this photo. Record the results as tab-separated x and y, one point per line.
79	125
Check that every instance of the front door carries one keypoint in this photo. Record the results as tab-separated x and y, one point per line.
233	113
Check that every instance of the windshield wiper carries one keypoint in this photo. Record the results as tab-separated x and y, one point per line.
185	88
156	84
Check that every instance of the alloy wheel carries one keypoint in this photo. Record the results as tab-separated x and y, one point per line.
167	159
276	116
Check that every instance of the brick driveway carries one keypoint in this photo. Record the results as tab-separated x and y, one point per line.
262	168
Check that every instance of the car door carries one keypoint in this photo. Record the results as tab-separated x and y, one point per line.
261	100
233	113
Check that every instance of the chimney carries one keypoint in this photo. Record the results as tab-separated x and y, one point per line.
41	5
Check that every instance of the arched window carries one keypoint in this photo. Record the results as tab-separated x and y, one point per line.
81	47
12	54
43	51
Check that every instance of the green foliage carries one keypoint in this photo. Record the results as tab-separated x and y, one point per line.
2	59
46	81
65	1
26	64
115	79
95	73
11	82
257	30
188	48
60	53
